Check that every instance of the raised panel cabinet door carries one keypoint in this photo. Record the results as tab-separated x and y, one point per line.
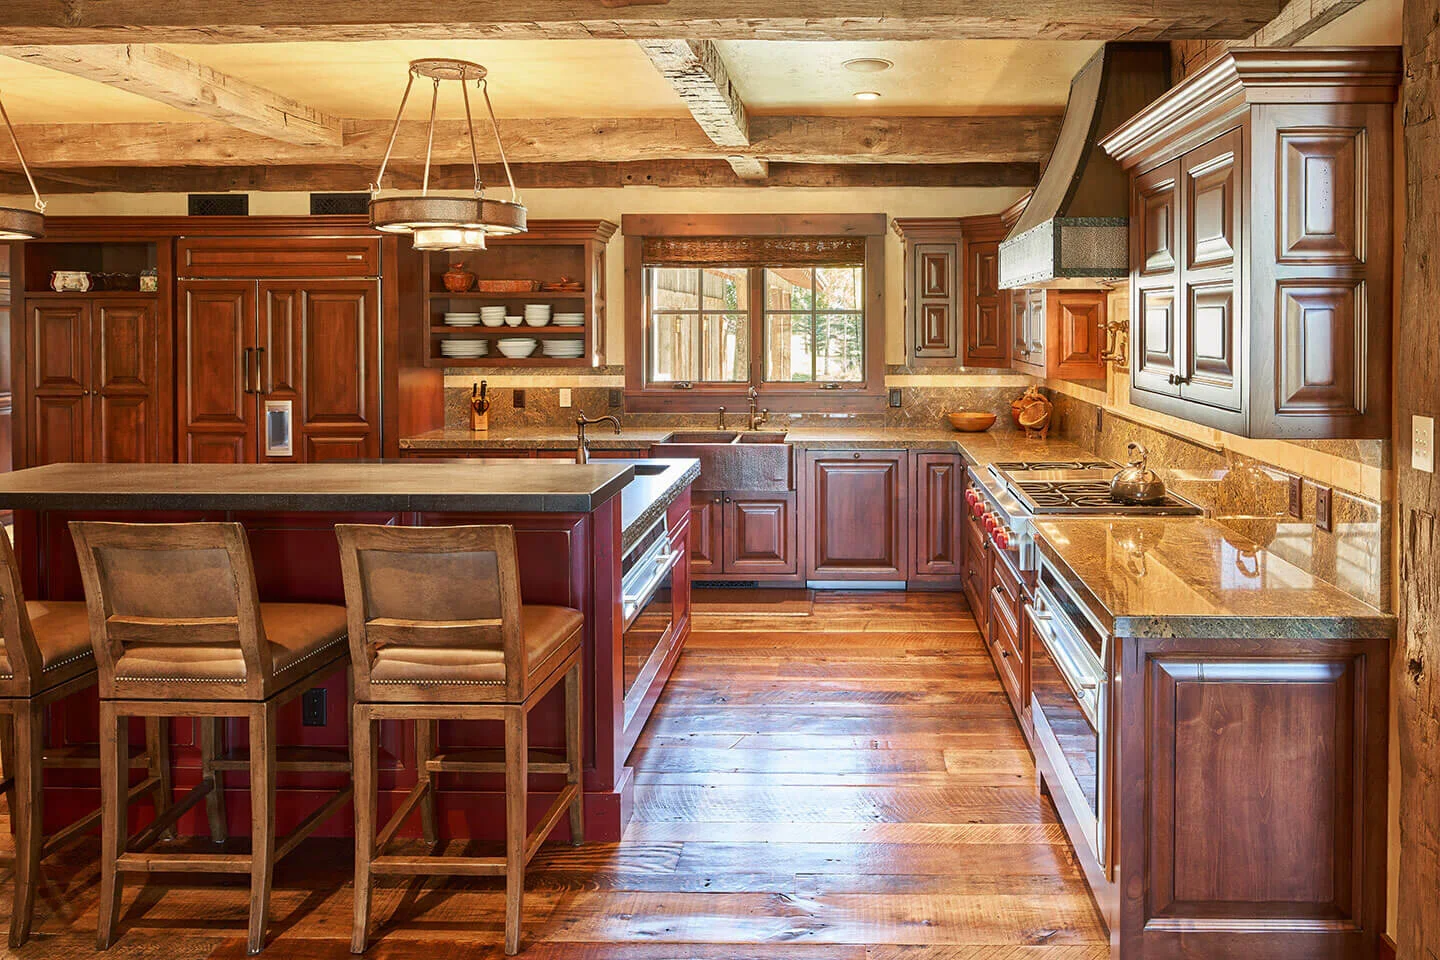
936	300
760	535
936	492
707	511
125	391
1036	325
1155	281
856	515
60	383
336	344
215	370
987	339
1210	340
1077	334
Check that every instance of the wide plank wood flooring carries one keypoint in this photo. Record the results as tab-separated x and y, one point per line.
826	776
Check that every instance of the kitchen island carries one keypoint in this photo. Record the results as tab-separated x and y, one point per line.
573	524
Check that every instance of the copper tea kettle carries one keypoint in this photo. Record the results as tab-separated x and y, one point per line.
1137	483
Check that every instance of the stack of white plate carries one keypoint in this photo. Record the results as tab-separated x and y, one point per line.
462	319
516	347
563	349
537	314
493	316
464	349
514	320
569	319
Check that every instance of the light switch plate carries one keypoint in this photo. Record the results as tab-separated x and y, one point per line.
1297	502
564	397
1323	520
1422	443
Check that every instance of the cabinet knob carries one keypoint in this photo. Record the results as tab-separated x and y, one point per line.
855	455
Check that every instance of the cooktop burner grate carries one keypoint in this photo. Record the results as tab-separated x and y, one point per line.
1050	464
1089	496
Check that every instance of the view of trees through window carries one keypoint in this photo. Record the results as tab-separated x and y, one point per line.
700	324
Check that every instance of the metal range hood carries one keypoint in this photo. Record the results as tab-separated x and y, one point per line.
1076	227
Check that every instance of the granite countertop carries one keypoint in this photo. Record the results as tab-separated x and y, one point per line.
542	486
540	438
646	497
1193	577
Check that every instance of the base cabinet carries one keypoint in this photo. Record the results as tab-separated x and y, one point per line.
743	535
939	542
857	515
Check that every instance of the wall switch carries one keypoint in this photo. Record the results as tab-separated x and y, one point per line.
312	707
1297	505
895	397
564	397
1099	420
1322	509
517	399
1422	443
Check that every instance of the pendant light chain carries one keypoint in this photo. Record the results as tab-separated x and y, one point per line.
15	141
474	151
379	183
430	140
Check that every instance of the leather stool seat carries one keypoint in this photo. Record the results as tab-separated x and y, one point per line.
546	630
62	634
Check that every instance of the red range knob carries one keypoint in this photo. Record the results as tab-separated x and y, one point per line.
971	496
989	521
977	508
1002	539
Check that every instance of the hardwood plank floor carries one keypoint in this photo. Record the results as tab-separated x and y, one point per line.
830	776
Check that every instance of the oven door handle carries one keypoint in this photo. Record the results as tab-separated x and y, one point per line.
1085	690
661	563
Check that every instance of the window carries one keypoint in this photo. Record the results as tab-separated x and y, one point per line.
794	316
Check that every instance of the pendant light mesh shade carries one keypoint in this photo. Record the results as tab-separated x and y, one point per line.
502	216
406	214
21	224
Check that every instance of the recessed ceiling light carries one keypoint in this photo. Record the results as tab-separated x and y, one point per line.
869	64
867	95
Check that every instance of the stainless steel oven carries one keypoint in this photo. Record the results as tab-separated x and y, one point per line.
648	609
1070	706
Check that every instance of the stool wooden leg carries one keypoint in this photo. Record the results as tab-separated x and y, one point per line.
7	763
215	799
574	753
262	819
363	762
425	735
157	750
517	755
28	810
114	817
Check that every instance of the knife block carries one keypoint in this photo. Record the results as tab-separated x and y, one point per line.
479	416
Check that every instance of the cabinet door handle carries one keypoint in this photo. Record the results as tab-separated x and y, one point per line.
260	378
245	373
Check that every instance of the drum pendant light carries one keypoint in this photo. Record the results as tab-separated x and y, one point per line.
442	222
15	223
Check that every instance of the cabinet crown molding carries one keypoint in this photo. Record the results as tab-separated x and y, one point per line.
1248	77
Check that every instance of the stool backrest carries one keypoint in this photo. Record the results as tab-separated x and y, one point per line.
436	587
21	649
179	584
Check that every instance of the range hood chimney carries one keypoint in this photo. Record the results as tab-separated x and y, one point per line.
1076	227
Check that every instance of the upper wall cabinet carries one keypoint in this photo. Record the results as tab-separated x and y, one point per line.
1261	239
955	311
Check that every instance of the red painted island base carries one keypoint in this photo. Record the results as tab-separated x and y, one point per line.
567	559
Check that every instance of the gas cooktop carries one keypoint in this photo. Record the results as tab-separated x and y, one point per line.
1013	465
1084	491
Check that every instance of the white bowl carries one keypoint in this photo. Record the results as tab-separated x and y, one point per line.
514	321
516	351
536	321
497	320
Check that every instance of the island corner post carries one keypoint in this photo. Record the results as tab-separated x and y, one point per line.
570	557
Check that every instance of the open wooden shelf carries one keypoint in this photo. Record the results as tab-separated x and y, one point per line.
503	361
504	297
547	331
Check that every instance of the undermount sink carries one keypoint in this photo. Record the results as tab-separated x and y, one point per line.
733	460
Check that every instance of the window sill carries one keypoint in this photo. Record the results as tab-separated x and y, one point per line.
789	400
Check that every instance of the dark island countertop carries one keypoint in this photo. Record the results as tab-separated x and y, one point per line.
1193	577
656	485
453	485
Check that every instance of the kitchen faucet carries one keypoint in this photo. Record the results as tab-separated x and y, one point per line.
757	420
582	453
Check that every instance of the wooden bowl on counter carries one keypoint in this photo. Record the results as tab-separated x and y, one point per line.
971	421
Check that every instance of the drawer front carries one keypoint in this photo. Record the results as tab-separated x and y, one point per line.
1004	644
1005	595
278	257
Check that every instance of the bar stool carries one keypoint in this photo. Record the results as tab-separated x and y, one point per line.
178	630
45	658
437	631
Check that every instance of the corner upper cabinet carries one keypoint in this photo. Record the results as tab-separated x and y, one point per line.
955	312
1261	243
1059	333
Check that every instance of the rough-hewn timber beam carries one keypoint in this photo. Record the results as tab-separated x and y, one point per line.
158	74
528	176
699	75
262	21
792	139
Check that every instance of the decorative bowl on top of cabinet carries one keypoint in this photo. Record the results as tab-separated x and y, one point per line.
548	252
1261	238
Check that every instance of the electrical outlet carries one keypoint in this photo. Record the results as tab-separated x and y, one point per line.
517	399
564	397
1322	509
1422	443
1099	420
1297	489
895	397
312	708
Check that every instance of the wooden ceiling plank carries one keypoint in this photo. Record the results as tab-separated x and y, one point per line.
983	139
697	72
528	176
268	21
158	74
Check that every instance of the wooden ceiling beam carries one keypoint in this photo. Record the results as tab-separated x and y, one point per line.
697	72
325	178
269	21
158	74
1026	139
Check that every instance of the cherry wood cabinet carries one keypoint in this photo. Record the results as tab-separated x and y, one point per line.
1059	333
707	525
856	515
1261	244
955	311
743	535
937	482
96	392
987	307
